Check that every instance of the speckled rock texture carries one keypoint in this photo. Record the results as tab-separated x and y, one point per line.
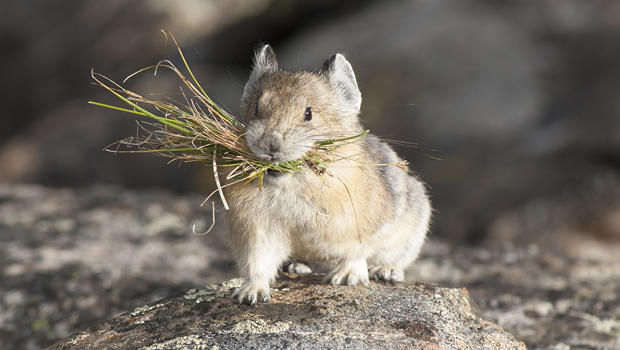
304	313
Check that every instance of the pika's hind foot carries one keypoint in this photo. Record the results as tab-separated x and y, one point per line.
251	292
350	272
386	273
298	268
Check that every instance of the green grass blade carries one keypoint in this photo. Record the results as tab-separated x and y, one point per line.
222	112
161	150
167	121
115	108
332	141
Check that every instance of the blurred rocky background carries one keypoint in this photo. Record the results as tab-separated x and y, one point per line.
514	108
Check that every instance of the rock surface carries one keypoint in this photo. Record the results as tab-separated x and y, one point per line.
304	313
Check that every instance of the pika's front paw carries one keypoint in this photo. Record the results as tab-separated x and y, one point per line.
298	268
251	292
386	273
350	273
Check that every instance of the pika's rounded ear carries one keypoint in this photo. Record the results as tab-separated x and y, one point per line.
264	61
339	73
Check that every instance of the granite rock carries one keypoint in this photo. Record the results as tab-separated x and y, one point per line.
304	313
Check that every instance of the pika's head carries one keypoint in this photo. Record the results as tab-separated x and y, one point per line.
287	112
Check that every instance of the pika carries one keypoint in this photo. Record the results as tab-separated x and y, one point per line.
364	219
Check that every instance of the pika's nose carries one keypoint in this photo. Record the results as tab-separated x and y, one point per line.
272	144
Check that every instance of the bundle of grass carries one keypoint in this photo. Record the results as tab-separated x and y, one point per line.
198	130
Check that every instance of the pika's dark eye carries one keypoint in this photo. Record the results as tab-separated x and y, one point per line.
256	110
308	114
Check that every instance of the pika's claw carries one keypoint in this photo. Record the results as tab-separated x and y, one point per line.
350	273
386	273
251	292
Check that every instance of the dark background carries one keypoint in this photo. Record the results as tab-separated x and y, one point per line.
519	100
512	103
